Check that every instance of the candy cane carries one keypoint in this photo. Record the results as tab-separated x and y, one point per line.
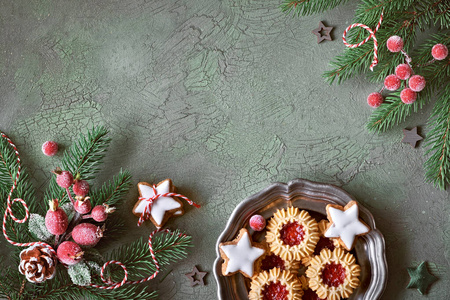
372	35
8	211
114	285
146	213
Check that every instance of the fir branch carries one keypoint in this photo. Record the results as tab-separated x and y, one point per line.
83	157
309	7
112	192
136	256
61	287
392	112
438	142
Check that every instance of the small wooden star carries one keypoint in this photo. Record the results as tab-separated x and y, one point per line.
421	279
411	137
196	277
322	29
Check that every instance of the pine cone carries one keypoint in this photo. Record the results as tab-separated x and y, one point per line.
37	264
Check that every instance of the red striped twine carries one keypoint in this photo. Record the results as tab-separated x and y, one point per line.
372	35
146	213
8	211
114	285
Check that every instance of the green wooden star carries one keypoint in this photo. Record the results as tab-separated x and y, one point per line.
421	279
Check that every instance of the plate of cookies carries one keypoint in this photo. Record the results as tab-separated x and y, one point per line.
300	240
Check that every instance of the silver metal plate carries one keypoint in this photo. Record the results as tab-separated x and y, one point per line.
314	197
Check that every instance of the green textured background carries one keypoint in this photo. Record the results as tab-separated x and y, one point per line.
224	97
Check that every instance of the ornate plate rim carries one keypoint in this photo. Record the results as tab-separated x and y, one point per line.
317	192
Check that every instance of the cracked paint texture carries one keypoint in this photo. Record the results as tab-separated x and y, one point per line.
223	97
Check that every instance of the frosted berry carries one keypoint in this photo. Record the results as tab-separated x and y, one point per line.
69	253
56	219
403	71
100	212
82	205
408	96
375	100
63	178
50	148
80	188
257	222
87	234
439	51
416	83
395	43
392	82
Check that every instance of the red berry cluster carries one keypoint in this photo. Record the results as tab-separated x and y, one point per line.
415	83
83	234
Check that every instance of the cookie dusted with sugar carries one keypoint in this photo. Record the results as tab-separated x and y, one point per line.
292	234
163	207
275	284
333	274
241	255
345	224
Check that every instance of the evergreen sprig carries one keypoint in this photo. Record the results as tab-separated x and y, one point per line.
23	190
438	142
136	256
84	157
309	7
404	18
61	287
112	192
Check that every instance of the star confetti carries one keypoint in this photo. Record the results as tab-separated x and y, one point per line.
411	137
421	279
345	224
322	33
196	277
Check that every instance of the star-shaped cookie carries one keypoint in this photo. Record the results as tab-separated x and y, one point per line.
322	33
163	207
240	255
421	279
345	224
196	277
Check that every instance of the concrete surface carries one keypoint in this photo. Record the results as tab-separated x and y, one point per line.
224	97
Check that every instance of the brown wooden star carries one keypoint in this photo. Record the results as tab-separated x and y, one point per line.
322	33
411	137
196	277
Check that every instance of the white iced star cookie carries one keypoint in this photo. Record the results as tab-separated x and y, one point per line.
163	207
345	224
240	255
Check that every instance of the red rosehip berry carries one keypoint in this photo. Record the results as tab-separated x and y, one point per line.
416	83
69	253
56	219
80	188
395	43
408	96
82	205
392	82
374	100
50	148
439	51
63	178
87	234
100	212
403	71
257	222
